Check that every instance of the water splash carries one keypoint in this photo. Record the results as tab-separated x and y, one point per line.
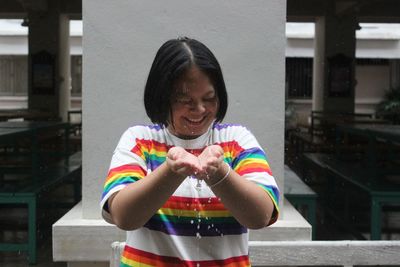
198	185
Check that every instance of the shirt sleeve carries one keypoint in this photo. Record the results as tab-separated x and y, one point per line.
128	165
250	161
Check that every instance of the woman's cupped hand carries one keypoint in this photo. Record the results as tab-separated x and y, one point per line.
203	166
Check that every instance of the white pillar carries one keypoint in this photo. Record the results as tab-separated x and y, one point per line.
318	65
64	74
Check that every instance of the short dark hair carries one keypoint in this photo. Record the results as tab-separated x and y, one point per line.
172	60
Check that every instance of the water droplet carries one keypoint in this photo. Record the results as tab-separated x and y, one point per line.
198	265
198	185
198	226
191	221
198	235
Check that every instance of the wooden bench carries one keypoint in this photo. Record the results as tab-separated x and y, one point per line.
310	253
29	190
380	191
301	195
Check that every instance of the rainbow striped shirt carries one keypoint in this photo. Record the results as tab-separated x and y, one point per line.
193	228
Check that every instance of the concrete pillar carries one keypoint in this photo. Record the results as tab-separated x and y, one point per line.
64	61
244	48
334	35
318	65
48	68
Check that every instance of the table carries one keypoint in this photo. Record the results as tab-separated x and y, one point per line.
369	176
33	130
385	131
26	114
38	180
372	132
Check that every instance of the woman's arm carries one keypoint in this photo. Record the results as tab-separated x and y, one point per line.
133	206
247	201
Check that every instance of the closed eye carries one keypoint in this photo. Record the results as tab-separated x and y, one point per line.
183	100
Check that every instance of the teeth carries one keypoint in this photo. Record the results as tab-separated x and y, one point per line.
198	120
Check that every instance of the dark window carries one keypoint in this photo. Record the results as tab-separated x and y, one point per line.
13	75
299	77
76	75
372	61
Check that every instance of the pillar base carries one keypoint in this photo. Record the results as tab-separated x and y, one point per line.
84	242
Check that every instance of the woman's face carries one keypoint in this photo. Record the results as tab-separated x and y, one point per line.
194	105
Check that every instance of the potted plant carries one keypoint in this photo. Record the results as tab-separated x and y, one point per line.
389	107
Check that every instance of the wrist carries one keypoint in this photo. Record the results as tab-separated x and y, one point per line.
171	172
220	175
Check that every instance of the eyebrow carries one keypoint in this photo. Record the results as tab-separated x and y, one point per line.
184	93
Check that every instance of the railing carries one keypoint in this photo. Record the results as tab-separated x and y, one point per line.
311	253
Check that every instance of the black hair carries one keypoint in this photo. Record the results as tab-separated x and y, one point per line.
172	60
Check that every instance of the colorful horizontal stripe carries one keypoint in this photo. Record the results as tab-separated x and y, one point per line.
231	150
136	257
151	151
193	217
251	160
124	174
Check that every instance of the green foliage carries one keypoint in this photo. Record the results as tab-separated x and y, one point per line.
389	108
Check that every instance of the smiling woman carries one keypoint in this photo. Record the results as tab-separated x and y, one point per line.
188	187
194	105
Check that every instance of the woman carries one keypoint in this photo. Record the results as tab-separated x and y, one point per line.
188	188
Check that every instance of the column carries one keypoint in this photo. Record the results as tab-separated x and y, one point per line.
64	61
48	65
334	38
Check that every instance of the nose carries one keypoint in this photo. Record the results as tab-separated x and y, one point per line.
199	106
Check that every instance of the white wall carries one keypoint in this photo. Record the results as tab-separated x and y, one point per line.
248	38
372	81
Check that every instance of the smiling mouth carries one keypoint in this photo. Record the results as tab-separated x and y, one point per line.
195	121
